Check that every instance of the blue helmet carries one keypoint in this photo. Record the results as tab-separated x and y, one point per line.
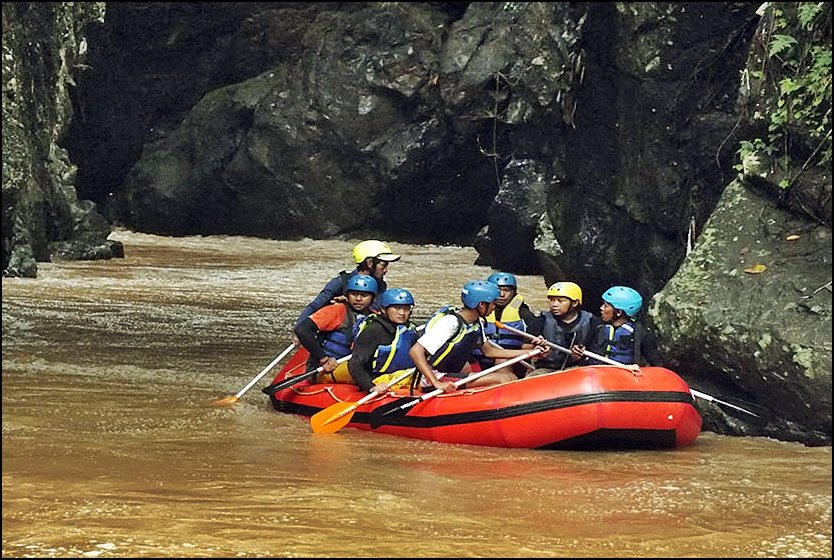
503	279
396	296
624	298
362	283
479	291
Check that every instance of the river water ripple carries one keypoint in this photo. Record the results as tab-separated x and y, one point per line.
111	450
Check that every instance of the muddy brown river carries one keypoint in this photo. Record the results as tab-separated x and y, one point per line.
111	448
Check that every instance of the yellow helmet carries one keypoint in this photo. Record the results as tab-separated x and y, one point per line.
373	248
565	289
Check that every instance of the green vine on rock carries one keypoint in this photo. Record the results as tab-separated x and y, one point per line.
792	87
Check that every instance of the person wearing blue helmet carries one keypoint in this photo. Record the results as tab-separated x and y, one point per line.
380	350
328	334
442	353
621	337
511	310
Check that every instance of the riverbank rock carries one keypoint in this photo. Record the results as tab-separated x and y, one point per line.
749	314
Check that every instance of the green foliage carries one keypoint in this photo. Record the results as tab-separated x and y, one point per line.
807	12
797	75
779	43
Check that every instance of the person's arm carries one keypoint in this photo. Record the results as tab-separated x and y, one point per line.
364	348
418	355
528	316
649	349
332	289
596	344
307	332
431	341
325	319
535	324
494	351
578	348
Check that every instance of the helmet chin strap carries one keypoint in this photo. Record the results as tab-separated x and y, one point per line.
620	317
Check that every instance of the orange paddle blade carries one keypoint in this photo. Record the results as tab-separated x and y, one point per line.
333	418
226	402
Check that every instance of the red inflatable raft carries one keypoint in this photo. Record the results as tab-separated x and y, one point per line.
580	408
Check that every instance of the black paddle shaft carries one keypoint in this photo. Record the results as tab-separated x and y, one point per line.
289	382
395	408
400	406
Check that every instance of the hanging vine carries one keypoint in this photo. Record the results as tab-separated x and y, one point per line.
795	79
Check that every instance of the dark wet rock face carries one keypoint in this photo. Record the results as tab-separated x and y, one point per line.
43	45
592	142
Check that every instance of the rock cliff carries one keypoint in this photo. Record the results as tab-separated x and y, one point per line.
586	141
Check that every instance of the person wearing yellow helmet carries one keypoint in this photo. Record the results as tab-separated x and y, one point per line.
371	257
565	324
373	249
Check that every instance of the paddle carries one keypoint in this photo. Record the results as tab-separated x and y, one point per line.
290	381
631	367
528	365
383	414
634	368
336	416
710	398
235	398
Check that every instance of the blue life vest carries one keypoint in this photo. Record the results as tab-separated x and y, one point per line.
338	343
504	338
455	354
395	356
616	343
